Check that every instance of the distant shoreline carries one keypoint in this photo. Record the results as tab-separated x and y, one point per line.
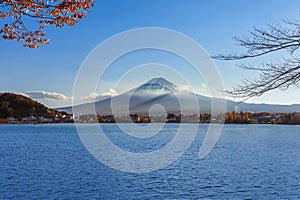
204	118
146	123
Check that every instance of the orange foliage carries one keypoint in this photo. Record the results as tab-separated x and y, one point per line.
56	13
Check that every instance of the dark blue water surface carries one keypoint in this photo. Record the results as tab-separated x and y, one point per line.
248	162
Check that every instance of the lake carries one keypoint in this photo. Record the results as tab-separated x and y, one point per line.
248	162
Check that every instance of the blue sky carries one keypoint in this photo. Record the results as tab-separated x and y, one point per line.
212	24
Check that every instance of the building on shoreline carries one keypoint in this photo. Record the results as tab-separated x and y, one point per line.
173	118
227	118
140	118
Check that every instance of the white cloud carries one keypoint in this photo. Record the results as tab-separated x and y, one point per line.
181	88
46	95
93	96
110	93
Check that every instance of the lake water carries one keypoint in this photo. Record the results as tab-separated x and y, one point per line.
248	162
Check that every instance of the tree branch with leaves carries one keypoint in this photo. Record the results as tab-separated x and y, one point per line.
58	13
273	75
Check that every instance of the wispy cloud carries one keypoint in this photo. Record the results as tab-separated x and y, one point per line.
110	93
46	95
93	96
181	88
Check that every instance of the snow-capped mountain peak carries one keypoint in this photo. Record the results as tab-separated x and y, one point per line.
158	84
162	92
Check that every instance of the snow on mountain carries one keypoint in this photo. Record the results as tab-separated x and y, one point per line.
155	86
164	93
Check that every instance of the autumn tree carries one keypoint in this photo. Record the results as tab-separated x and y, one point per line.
17	15
279	74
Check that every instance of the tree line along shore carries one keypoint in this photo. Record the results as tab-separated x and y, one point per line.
227	118
204	118
19	109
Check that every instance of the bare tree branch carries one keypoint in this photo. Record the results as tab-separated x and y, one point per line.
273	75
264	41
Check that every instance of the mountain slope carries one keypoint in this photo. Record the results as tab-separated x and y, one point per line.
162	92
18	106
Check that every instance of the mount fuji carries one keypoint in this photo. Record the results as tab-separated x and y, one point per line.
160	94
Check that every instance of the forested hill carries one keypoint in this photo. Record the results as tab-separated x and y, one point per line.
19	106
